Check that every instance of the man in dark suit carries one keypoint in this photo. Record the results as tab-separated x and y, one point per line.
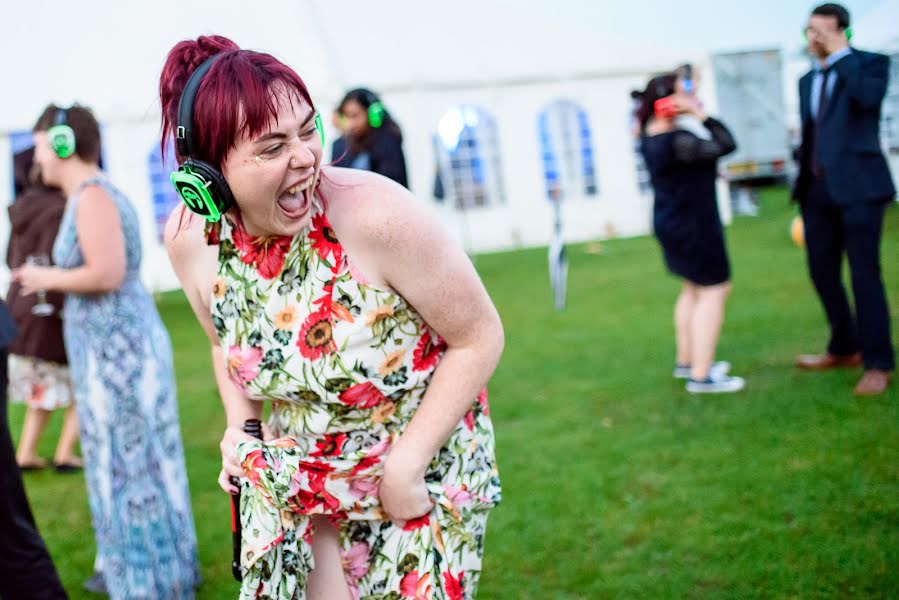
26	570
844	187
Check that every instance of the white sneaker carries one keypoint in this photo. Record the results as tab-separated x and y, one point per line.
719	369
722	384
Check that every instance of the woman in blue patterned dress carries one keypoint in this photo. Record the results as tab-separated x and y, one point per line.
121	362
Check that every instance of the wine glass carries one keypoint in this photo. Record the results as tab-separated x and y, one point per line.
42	308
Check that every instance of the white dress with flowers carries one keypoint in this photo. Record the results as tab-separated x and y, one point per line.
345	365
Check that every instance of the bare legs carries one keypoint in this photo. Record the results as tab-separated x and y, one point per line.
698	316
36	420
327	580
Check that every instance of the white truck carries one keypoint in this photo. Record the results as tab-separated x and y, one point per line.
749	90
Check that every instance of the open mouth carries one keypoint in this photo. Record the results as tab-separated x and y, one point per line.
296	200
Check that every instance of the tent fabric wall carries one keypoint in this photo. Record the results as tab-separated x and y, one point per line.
429	58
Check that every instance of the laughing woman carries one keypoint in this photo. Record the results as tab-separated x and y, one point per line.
331	293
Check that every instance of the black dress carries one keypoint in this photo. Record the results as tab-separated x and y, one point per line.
683	169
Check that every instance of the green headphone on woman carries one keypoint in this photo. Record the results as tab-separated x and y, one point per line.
61	135
201	186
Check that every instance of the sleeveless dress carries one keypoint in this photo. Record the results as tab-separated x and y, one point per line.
345	365
121	362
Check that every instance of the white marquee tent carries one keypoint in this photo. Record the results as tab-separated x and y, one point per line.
503	67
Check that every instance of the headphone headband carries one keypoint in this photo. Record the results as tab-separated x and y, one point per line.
184	131
62	115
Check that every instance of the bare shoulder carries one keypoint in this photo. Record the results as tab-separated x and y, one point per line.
192	258
373	209
93	199
183	235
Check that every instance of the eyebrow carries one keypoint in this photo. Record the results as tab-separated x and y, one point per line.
276	135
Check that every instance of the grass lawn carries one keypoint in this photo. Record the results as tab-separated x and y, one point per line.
617	483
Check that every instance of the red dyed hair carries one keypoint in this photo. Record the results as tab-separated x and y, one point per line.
236	97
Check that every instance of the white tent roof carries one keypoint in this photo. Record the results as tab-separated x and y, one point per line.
75	52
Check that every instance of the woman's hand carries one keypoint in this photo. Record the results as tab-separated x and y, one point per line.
230	466
688	105
403	492
33	278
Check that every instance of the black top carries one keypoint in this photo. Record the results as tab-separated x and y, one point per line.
683	169
382	154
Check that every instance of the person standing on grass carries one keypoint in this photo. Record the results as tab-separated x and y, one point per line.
844	187
38	367
334	295
683	169
121	362
26	569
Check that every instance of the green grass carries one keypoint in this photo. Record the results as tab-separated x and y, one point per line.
618	484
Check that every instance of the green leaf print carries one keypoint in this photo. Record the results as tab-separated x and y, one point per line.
336	385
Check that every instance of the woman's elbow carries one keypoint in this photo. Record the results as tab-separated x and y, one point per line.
110	280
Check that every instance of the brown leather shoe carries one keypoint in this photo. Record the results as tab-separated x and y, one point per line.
823	362
873	382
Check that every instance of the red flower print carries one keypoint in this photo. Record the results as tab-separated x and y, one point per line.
362	395
213	234
329	445
409	584
482	400
315	339
413	524
323	239
254	460
469	420
427	352
265	253
453	585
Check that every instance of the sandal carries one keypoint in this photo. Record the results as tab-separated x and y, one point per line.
36	465
68	466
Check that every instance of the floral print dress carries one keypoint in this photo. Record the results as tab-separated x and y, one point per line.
345	365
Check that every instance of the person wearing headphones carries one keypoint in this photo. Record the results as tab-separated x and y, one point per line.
334	295
374	140
682	165
120	359
843	188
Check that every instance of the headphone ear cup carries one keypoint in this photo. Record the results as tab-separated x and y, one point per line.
203	189
62	140
320	127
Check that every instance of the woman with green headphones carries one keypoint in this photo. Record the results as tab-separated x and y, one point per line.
335	296
120	359
374	140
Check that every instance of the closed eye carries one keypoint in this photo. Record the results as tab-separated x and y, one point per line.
273	150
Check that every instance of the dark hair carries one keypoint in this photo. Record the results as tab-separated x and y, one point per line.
832	9
658	87
83	123
236	96
365	98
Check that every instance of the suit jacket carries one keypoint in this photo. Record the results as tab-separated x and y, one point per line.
848	141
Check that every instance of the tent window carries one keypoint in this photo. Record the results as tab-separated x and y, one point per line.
468	164
165	198
566	150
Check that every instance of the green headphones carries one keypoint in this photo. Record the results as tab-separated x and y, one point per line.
375	110
61	135
376	114
201	186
